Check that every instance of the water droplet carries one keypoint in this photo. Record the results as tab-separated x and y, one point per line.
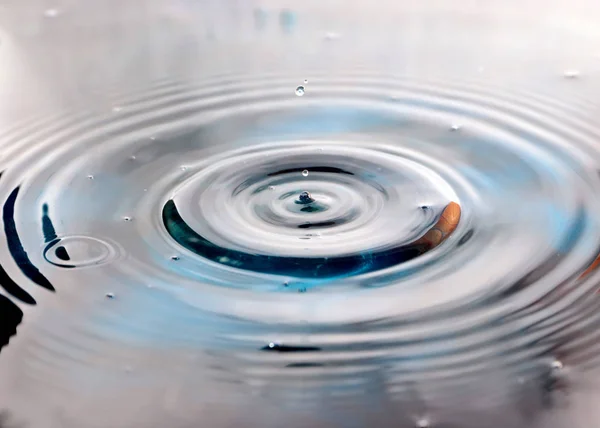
110	295
90	177
175	258
305	198
300	90
557	365
286	284
183	168
126	218
271	187
117	109
305	173
422	423
455	127
132	158
51	13
571	74
305	81
271	345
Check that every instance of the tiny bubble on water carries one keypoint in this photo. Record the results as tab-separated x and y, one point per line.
455	127
571	74
90	177
183	168
271	187
305	173
271	345
300	90
126	218
305	81
286	284
110	295
331	35
422	423
557	365
175	258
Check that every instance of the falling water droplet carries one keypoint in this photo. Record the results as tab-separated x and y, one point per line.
571	74
110	295
271	345
300	90
305	173
305	81
51	13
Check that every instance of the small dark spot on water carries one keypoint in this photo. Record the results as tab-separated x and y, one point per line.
175	258
305	198
316	225
276	347
302	290
110	295
61	253
466	237
304	365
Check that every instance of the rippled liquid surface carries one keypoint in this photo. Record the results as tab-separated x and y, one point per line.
213	214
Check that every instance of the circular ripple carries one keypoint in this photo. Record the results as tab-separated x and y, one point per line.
79	251
359	209
235	252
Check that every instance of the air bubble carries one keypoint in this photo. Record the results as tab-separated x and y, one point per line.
300	90
126	218
305	173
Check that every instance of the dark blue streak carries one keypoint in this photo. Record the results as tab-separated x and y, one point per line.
16	248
